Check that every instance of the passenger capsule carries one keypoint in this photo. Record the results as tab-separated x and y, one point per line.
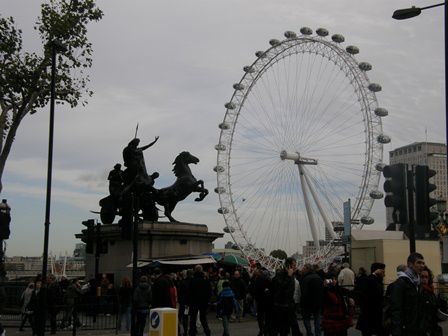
338	38
260	54
352	50
290	34
376	194
381	112
366	220
219	169
230	105
380	166
248	69
229	229
224	126
364	66
223	210
220	190
274	42
306	31
322	32
383	139
220	147
374	87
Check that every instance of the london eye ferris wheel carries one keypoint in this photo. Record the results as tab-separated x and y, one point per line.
302	133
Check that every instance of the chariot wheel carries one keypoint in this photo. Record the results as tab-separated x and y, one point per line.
302	133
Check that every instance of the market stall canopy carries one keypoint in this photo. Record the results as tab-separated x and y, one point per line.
234	260
190	261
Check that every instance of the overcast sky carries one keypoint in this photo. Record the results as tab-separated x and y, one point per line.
169	66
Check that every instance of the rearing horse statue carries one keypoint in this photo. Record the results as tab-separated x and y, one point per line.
185	184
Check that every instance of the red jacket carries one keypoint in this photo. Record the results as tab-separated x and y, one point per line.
336	315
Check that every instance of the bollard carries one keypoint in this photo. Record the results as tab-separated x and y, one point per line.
163	322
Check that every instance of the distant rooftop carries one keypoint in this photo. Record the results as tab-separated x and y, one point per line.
417	144
377	235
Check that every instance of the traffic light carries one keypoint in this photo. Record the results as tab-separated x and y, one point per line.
5	219
423	200
101	244
89	234
396	187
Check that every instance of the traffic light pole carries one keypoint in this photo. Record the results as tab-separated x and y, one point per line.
410	210
135	221
97	250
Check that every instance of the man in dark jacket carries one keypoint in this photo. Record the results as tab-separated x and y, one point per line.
406	300
370	320
239	288
161	293
312	290
199	294
142	301
182	298
283	285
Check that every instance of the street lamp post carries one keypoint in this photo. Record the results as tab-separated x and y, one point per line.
407	13
56	46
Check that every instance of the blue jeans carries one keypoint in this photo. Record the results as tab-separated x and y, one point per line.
225	325
307	322
125	314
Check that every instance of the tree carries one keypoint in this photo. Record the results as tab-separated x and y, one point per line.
280	254
25	76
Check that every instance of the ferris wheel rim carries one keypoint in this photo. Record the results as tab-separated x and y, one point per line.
373	128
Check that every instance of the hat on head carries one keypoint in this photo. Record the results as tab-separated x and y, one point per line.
376	265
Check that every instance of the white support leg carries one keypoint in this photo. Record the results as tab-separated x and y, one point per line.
328	225
309	211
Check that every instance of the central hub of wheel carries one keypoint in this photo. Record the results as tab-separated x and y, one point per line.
295	156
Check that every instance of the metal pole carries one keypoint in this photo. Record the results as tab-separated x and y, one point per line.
134	217
49	175
446	87
410	211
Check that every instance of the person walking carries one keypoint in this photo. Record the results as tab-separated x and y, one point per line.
142	301
346	277
27	314
407	300
225	306
161	290
312	288
370	321
182	298
124	305
199	294
283	286
37	307
430	303
337	316
239	288
263	298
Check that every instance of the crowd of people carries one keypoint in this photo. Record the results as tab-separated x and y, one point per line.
326	301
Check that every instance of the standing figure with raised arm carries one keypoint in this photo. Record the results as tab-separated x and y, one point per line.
134	160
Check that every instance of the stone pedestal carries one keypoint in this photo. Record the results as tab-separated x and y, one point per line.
156	240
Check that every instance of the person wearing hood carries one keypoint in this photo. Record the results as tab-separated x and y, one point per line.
407	300
226	305
370	320
142	301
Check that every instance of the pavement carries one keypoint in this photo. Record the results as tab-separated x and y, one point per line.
247	327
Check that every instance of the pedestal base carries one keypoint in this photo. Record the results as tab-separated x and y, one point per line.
156	240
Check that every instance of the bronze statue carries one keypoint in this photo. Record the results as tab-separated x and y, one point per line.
132	190
184	185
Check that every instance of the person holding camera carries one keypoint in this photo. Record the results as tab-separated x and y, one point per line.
337	316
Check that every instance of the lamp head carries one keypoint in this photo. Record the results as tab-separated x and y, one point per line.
406	13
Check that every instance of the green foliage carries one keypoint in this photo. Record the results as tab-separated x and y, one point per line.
280	254
25	76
